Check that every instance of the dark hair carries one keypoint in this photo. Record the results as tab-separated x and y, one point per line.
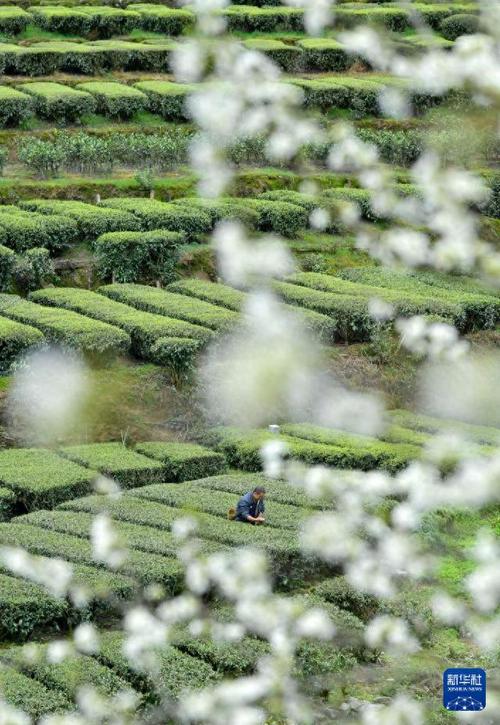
259	489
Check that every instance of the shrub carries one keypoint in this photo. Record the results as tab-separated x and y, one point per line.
4	155
26	230
67	328
32	270
268	19
278	216
218	294
360	95
219	209
154	214
145	567
324	54
427	424
14	106
116	461
63	20
115	99
44	157
29	695
13	20
176	353
144	328
163	302
184	461
167	99
161	19
435	13
177	671
56	102
399	434
400	148
287	57
67	676
7	504
138	256
40	479
15	340
92	220
25	606
109	21
190	497
7	260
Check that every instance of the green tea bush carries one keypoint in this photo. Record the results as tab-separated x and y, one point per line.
13	20
144	328
44	157
324	54
14	106
68	676
178	671
4	155
40	479
93	338
63	20
247	18
400	148
154	214
92	220
7	502
15	341
179	354
138	256
400	434
162	19
145	567
29	695
360	95
485	435
393	18
278	216
114	99
25	606
108	21
216	293
7	261
219	209
166	99
116	461
435	13
338	591
288	57
56	102
32	270
24	230
163	302
191	498
184	461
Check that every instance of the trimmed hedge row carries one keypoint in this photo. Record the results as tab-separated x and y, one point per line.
40	479
217	503
136	536
57	102
25	606
15	340
14	106
283	548
144	328
66	328
67	676
179	354
92	220
183	461
13	20
138	256
242	450
145	567
166	99
29	695
114	99
178	671
22	230
116	461
485	435
225	208
163	302
152	214
7	503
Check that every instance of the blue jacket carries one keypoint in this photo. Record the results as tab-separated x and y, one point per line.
247	506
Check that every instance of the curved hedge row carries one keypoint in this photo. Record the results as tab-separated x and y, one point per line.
114	99
184	461
22	230
153	214
15	340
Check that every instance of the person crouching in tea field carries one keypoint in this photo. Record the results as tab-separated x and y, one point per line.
251	507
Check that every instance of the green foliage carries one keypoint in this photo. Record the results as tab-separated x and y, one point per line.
248	18
162	19
92	220
115	99
44	157
41	479
145	567
179	354
178	671
400	148
324	54
399	434
29	695
32	270
116	461
153	214
163	302
25	606
14	106
357	94
137	257
7	503
427	424
167	99
56	102
108	21
66	328
288	57
144	328
15	340
13	20
22	230
7	261
218	294
184	461
4	155
68	676
63	20
219	209
278	216
338	591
